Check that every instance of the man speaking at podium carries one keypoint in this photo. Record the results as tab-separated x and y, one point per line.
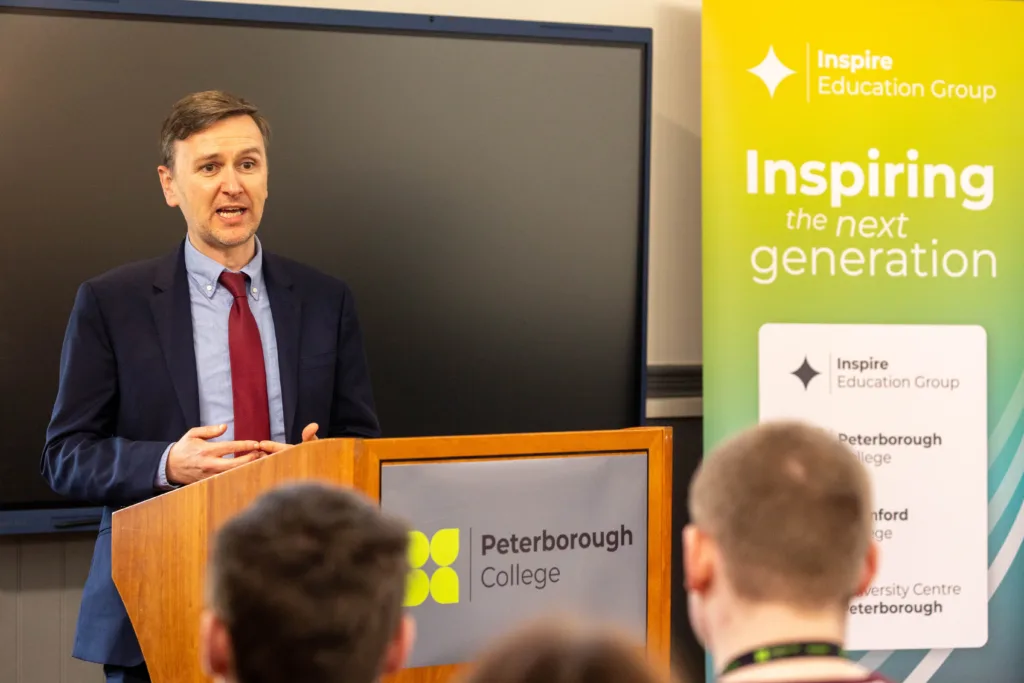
216	349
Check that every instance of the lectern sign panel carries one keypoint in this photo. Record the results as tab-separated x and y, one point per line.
498	542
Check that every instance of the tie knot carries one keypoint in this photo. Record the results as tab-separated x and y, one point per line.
234	282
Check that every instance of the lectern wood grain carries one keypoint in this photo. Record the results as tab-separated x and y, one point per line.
160	549
160	545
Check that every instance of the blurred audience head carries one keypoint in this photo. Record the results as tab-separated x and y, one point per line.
780	539
560	650
307	585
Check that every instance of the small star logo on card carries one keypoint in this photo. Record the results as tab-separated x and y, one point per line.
805	373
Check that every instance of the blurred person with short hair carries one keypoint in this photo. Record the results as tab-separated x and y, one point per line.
779	544
306	585
562	650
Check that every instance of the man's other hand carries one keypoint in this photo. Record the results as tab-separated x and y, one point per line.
193	458
308	434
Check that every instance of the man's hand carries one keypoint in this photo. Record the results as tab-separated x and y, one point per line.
193	458
308	434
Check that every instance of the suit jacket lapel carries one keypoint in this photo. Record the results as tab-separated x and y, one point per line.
172	311
287	310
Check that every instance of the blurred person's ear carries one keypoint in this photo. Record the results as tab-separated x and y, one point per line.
400	646
698	559
870	568
699	569
214	647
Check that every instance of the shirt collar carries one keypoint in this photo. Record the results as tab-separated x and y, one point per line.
206	272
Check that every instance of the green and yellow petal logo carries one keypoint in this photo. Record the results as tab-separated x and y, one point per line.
443	584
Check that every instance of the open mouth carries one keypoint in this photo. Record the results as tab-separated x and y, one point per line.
231	211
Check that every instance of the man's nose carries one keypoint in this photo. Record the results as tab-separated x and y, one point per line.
230	183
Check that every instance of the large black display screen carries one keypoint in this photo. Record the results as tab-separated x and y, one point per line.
484	196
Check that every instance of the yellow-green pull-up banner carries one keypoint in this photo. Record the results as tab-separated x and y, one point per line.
864	270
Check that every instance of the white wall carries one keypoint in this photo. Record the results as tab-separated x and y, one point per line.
675	293
41	581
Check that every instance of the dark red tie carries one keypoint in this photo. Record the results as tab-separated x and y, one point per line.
248	374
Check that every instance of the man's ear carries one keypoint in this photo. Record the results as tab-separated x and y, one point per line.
214	646
400	646
167	185
869	570
697	561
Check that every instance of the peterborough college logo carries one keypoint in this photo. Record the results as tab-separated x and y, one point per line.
442	583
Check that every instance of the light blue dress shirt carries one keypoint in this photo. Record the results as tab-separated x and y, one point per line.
211	303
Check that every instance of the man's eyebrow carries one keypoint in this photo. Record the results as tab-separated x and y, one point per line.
215	156
208	157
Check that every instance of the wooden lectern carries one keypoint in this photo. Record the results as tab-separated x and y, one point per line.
160	545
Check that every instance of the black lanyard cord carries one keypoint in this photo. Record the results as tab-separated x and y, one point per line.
773	653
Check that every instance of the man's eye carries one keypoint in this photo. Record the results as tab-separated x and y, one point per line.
248	165
208	168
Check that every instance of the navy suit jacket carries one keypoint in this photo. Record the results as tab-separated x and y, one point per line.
128	388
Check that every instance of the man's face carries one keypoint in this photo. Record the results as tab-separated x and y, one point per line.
219	180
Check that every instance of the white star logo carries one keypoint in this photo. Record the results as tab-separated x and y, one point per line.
771	71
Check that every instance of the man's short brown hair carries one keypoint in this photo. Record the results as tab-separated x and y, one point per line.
789	506
309	582
200	110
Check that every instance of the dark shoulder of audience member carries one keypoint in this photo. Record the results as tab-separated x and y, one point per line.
564	651
309	582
